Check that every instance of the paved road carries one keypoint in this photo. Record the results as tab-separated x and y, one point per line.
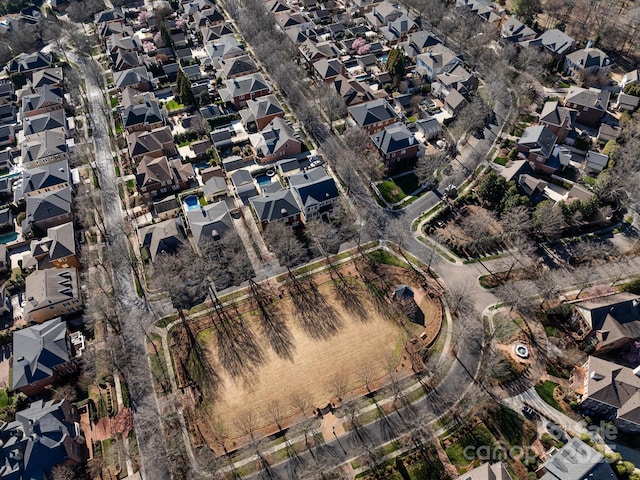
133	311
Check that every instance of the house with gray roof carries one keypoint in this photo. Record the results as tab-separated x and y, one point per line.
458	78
279	206
51	293
595	162
238	90
396	143
42	436
49	76
261	111
159	175
46	99
209	222
590	103
316	193
48	146
418	42
42	354
513	30
162	237
587	61
430	127
215	188
560	120
627	103
576	461
487	471
211	33
352	91
145	115
373	116
275	141
244	185
327	69
138	78
42	177
155	143
46	121
237	66
224	48
537	143
47	208
553	40
28	64
436	60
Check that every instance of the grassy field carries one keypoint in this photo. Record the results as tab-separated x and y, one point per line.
545	390
391	192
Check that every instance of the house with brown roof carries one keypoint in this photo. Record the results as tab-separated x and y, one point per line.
611	390
613	322
262	111
239	90
275	142
158	175
46	99
156	143
49	76
56	250
51	293
44	147
352	91
47	208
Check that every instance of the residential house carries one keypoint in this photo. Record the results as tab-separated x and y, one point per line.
595	162
560	120
608	132
384	13
28	64
211	33
436	60
166	208
244	185
586	62
162	237
398	30
110	15
482	8
42	177
51	293
209	222
294	21
125	60
352	91
537	143
313	51
215	188
454	102
54	77
138	78
591	104
122	43
7	90
146	116
458	79
155	143
316	193
328	69
56	250
576	461
627	103
43	354
47	208
554	41
224	48
54	120
41	437
487	471
612	391
363	6
279	206
58	5
276	141
419	42
8	114
46	99
158	175
513	30
209	172
207	17
201	148
238	66
612	322
396	143
373	116
7	135
44	147
239	90
262	111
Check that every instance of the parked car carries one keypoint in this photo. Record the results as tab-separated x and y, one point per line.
530	413
556	432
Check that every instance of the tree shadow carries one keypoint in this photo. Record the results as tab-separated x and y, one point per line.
272	322
238	351
349	295
317	317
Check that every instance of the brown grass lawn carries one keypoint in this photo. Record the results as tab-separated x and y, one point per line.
371	341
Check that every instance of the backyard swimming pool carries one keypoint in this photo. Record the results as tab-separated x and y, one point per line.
8	237
263	179
191	202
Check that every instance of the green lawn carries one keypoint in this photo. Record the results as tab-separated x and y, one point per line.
480	436
501	161
391	191
4	398
173	105
381	256
507	424
545	390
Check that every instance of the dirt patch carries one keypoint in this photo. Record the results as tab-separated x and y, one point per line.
314	364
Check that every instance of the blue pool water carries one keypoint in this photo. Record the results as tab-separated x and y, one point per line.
263	180
191	202
8	237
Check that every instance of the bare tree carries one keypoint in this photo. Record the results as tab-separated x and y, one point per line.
338	385
282	240
366	373
276	413
301	401
426	168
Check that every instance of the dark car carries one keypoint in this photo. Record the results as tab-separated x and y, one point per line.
530	413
